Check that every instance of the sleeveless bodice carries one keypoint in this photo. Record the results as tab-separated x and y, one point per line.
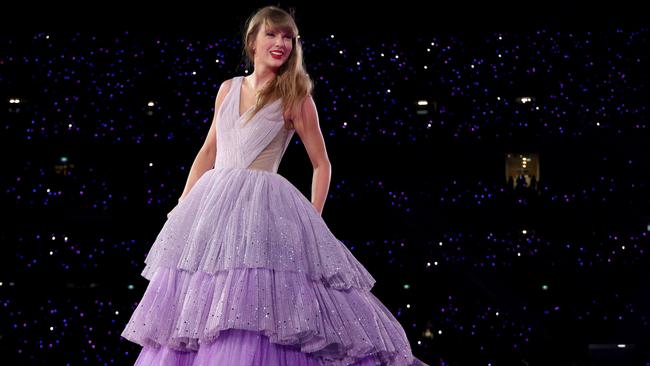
258	144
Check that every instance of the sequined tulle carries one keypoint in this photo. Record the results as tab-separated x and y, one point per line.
186	311
246	272
248	218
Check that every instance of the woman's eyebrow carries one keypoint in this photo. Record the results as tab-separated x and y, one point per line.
275	31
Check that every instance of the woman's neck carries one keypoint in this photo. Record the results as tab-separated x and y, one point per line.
257	80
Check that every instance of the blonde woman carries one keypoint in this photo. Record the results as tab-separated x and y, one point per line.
245	271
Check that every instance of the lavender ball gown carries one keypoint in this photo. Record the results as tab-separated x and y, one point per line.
245	272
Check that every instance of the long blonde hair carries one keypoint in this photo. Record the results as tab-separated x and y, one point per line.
291	83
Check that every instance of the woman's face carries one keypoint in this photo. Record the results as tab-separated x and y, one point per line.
272	47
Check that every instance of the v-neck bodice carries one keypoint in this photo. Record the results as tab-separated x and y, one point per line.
257	144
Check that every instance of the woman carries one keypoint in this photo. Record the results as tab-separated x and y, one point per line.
245	271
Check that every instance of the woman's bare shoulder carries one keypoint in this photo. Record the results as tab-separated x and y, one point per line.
304	112
224	88
225	85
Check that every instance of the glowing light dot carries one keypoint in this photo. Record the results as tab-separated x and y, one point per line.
524	231
150	164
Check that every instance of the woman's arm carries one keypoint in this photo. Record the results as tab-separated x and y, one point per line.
207	155
203	162
306	123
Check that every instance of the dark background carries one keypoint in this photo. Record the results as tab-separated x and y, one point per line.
359	212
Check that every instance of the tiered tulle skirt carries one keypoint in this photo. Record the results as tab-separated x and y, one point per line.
246	272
